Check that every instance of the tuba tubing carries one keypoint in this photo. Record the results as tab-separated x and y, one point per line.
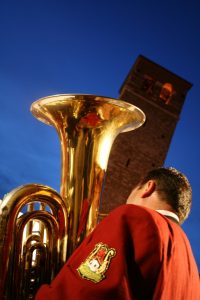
28	256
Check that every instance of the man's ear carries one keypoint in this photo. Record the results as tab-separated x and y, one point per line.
148	188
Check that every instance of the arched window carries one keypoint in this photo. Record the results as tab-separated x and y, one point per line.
166	92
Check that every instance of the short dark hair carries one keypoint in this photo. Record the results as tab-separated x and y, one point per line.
174	188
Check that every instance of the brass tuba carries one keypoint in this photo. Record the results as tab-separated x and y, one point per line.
39	228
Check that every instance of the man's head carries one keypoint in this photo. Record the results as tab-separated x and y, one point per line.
164	188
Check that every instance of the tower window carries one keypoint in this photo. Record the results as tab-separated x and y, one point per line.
166	92
148	84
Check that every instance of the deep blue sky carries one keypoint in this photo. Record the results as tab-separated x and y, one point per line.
50	47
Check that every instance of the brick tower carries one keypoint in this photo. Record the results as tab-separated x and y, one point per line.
160	94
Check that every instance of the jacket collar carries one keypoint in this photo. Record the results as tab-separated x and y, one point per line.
168	214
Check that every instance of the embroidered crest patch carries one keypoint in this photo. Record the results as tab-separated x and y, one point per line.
97	263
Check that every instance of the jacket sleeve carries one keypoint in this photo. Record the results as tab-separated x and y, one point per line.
119	260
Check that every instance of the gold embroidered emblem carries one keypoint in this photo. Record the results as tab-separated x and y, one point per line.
97	263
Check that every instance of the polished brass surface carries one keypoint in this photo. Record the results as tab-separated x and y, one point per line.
39	229
33	245
87	126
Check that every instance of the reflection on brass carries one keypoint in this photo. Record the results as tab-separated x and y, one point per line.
87	126
33	230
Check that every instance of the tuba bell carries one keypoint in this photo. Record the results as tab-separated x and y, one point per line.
40	228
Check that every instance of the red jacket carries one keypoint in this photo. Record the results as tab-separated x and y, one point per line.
134	253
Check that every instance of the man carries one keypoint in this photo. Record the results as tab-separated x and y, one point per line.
138	252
